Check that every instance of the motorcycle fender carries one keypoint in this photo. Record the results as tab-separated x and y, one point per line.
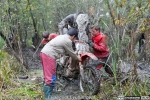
88	55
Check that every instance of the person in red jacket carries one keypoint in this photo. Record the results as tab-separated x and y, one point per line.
47	36
100	48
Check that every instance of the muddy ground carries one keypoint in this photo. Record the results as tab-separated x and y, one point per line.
70	90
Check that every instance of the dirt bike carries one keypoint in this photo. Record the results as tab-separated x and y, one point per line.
88	76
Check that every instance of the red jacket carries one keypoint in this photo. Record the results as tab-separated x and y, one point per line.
51	36
100	47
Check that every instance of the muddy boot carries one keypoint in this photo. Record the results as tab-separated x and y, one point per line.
109	71
48	91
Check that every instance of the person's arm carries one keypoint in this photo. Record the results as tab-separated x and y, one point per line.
100	47
69	18
44	41
68	48
64	22
52	36
61	26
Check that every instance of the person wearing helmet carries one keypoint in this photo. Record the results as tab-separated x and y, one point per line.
47	37
62	44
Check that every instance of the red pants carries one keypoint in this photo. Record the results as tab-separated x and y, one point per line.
49	69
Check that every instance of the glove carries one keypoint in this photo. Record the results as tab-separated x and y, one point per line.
89	41
91	44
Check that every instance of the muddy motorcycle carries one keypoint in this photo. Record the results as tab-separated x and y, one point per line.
88	76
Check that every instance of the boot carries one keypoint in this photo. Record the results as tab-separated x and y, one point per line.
48	91
109	71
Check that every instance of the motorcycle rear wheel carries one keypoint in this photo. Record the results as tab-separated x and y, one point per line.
91	82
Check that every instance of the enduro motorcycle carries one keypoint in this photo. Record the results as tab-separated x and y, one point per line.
87	75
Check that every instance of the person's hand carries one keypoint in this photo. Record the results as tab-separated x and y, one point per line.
78	41
90	43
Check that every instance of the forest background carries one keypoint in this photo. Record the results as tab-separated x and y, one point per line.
125	22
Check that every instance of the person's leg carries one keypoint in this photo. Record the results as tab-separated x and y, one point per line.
72	67
73	64
109	70
107	67
49	71
47	91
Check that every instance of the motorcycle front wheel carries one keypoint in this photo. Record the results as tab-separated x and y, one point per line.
90	83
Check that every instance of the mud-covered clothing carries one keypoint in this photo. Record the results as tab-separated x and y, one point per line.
51	36
60	45
82	21
100	48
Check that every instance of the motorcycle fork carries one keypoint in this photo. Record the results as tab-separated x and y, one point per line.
81	71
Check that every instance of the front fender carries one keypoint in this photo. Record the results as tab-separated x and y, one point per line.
87	55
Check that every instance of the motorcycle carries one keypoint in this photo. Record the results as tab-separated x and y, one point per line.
87	75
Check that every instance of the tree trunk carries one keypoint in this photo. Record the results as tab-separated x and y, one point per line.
147	43
5	39
135	36
36	37
12	50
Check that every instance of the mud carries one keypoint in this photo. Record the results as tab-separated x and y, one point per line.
69	90
32	58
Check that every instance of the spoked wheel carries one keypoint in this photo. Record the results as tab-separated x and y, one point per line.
61	82
60	85
91	82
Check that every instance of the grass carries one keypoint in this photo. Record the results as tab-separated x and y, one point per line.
1	43
11	88
137	89
112	88
112	92
29	91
